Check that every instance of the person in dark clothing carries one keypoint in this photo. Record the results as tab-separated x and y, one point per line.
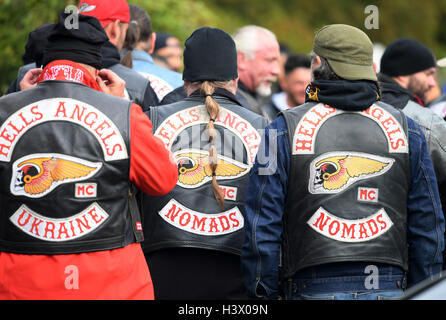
407	72
193	235
180	93
32	58
345	197
114	17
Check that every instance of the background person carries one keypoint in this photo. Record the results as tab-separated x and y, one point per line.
297	76
114	17
258	54
139	46
408	70
168	49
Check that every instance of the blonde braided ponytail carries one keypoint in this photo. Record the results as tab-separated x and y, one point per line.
213	108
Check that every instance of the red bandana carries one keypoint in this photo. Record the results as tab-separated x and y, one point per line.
68	71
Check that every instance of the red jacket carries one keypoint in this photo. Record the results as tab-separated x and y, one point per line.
111	274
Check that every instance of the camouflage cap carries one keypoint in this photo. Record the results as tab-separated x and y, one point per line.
348	50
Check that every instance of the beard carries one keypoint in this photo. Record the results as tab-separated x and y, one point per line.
417	87
264	88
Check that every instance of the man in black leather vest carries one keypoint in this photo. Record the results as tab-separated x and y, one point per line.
70	156
344	211
193	235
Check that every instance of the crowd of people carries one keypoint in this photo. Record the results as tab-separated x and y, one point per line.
234	169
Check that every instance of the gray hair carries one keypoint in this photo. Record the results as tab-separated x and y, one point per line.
247	39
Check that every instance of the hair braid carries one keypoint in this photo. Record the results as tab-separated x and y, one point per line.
213	108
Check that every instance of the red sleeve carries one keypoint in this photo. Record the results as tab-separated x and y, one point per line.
152	167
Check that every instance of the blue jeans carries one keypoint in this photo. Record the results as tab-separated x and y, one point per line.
316	284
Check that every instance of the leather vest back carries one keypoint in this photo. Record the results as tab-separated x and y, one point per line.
190	216
348	185
65	161
135	84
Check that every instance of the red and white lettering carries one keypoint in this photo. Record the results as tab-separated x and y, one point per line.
205	224
306	131
230	193
56	230
85	190
344	230
62	109
368	194
171	127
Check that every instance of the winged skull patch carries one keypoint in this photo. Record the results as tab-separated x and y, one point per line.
194	169
334	172
37	175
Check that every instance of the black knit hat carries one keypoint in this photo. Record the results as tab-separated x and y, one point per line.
210	55
37	40
81	43
406	56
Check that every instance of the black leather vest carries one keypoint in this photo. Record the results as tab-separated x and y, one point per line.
190	216
135	84
65	161
348	185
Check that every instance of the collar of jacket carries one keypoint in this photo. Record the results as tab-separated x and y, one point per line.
343	94
220	92
110	55
394	94
243	87
65	70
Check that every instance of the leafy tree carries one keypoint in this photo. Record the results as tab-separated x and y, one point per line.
294	22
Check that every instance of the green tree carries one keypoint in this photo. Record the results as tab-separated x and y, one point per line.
294	22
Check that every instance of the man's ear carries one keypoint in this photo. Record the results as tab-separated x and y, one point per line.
113	31
241	61
316	62
152	40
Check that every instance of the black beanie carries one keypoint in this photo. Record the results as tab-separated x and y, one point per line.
35	45
210	55
406	56
81	43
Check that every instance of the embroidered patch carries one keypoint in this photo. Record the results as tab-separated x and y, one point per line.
36	175
230	193
304	139
63	109
194	169
85	190
343	230
368	194
335	171
193	162
58	230
160	86
205	224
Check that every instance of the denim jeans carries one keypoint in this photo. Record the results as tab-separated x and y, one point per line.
327	285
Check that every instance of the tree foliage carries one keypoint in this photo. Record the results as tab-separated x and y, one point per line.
294	22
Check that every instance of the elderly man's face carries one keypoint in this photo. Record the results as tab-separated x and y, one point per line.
264	68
